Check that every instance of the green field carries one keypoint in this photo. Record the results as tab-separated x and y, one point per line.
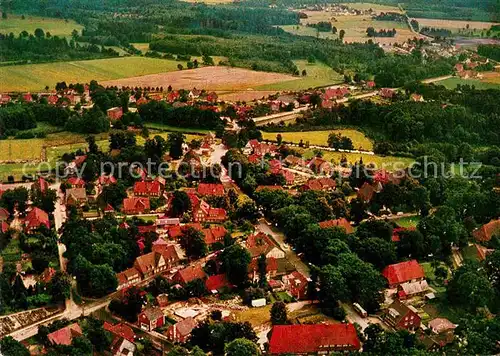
56	27
388	163
318	74
34	77
410	221
320	138
452	83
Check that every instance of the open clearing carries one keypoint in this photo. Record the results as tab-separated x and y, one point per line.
56	27
485	83
359	140
354	26
318	74
210	78
34	77
454	25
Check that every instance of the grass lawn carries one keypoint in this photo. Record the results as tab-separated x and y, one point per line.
452	83
256	316
148	218
388	163
56	27
284	296
411	221
470	254
358	138
12	252
318	74
34	77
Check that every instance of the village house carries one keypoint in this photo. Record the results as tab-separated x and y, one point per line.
271	269
443	333
342	223
203	212
123	340
319	184
176	231
320	166
133	206
387	93
294	161
214	234
305	339
106	180
180	332
147	189
399	273
115	113
151	318
162	300
217	283
76	196
412	289
35	219
487	231
128	278
188	274
205	189
261	244
402	317
366	192
296	284
4	227
168	252
150	264
5	99
65	335
76	182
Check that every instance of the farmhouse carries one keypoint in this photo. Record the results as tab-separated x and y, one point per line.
76	182
120	330
325	184
411	289
189	274
151	318
76	196
216	283
205	213
176	231
399	273
402	316
35	219
134	206
128	277
180	331
214	234
150	263
296	284
311	339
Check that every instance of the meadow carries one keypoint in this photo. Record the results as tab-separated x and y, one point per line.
485	83
455	25
56	27
318	74
320	138
34	77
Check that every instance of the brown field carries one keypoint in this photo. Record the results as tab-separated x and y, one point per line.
210	78
491	77
247	95
455	24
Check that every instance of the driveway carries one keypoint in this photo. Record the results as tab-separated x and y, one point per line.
353	317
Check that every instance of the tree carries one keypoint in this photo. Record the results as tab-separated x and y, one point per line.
334	30
341	35
93	148
376	251
113	194
96	334
15	199
193	242
304	72
11	347
181	203
44	200
180	67
60	286
242	347
262	264
39	33
279	139
175	141
470	287
235	261
333	288
279	313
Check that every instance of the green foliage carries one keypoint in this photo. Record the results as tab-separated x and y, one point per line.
11	347
279	313
241	347
235	260
193	242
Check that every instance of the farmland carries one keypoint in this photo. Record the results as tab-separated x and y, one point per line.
34	77
210	78
320	138
455	25
318	74
56	27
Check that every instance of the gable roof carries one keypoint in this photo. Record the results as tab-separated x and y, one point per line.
146	263
176	231
303	339
152	313
4	214
128	275
440	325
366	192
76	194
37	217
147	187
4	227
259	244
214	234
487	231
342	222
398	310
120	330
211	189
76	181
403	272
190	273
271	265
216	282
184	327
136	203
65	335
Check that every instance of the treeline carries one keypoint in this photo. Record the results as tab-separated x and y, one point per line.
371	32
322	26
435	32
390	16
42	47
490	51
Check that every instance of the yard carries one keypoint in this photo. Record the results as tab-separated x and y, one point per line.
256	316
34	77
490	82
12	252
318	74
56	27
407	222
320	138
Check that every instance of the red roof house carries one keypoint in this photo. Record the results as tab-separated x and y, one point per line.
128	277
65	335
409	271
176	231
36	218
214	234
319	184
402	316
107	180
342	222
203	212
151	318
136	205
4	227
487	231
296	284
41	184
205	189
271	268
217	283
189	274
148	189
387	93
180	331
27	98
312	339
121	330
76	182
115	113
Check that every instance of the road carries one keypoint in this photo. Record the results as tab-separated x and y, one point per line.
279	237
353	317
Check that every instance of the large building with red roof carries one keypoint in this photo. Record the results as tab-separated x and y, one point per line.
205	189
189	274
147	189
312	339
398	273
36	218
136	205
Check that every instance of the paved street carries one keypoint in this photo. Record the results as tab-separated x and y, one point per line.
290	255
